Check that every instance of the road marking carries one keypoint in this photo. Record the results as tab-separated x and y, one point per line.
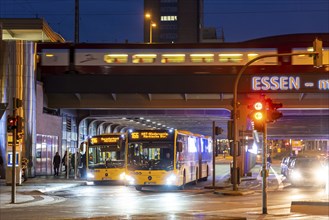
278	178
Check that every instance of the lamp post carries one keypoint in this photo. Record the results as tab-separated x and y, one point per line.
152	25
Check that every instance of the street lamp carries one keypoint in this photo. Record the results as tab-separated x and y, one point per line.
152	25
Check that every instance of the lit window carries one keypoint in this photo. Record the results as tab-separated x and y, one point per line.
144	58
230	58
168	18
202	58
252	56
116	58
173	58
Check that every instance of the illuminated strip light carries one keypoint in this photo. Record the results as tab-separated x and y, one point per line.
252	54
173	55
202	55
310	49
145	55
117	55
49	55
231	55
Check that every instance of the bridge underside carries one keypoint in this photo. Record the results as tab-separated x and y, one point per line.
184	101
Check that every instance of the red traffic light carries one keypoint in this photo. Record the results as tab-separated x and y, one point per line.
258	106
258	114
11	123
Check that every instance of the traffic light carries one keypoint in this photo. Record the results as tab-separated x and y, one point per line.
258	115
317	58
272	112
218	130
19	123
11	123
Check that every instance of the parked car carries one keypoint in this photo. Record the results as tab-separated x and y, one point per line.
306	172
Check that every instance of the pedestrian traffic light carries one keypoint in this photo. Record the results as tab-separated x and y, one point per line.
272	112
11	123
258	115
317	58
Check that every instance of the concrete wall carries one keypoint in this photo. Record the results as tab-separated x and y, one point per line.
47	124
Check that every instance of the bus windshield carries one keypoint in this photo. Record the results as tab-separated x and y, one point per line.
151	156
106	157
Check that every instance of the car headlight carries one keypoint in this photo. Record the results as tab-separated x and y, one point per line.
171	179
90	175
321	175
296	175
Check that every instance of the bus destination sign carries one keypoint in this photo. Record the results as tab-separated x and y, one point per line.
150	135
104	140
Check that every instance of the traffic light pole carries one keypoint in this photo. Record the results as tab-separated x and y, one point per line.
235	107
264	171
214	154
13	178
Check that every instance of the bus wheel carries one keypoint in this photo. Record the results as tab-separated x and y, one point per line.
138	188
182	187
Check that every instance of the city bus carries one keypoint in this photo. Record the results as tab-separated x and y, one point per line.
167	158
106	157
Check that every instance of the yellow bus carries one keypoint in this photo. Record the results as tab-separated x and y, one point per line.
106	157
167	158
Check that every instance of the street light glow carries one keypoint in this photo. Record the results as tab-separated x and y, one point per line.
152	25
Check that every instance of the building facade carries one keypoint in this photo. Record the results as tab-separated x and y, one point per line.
45	131
177	21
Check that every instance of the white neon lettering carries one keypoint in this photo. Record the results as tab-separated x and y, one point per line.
294	83
256	83
280	83
323	84
275	83
265	82
284	83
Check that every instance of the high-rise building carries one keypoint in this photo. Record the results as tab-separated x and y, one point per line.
177	21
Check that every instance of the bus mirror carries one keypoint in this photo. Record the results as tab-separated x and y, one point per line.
179	146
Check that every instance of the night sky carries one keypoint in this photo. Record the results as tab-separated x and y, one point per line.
115	21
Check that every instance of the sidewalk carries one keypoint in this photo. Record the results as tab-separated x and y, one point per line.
32	192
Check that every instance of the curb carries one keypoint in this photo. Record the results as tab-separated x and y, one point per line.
235	193
310	207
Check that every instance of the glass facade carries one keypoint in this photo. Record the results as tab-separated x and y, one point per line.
69	134
46	148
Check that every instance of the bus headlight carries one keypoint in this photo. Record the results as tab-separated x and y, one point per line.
122	176
171	179
130	180
90	175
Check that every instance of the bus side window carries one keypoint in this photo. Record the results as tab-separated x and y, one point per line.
179	146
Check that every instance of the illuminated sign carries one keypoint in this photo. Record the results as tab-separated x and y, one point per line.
150	135
275	83
287	83
10	159
323	84
104	140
